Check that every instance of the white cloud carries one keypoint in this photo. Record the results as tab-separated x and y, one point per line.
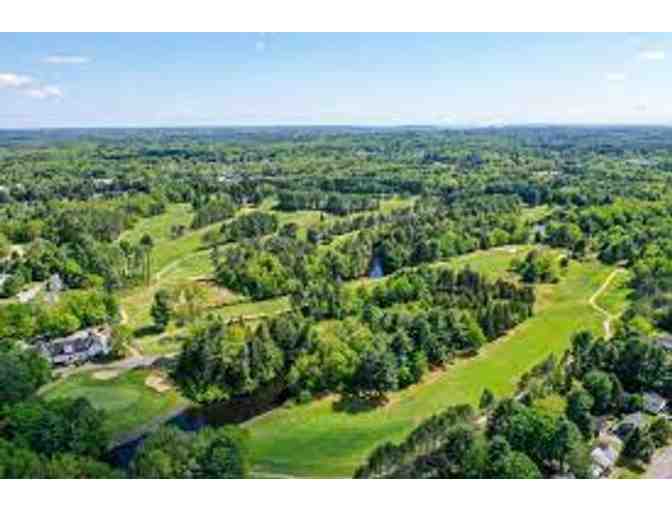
11	80
28	86
652	55
615	77
45	92
260	46
66	59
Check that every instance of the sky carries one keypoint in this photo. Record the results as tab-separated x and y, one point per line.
129	80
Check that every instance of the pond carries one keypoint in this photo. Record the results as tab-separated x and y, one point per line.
376	267
194	418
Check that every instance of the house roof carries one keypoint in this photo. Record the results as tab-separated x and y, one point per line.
665	342
77	342
654	402
634	419
605	457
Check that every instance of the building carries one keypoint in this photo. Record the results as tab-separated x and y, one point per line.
604	458
77	348
54	287
55	283
629	423
654	403
28	295
665	341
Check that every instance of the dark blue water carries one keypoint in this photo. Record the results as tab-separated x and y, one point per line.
376	270
195	418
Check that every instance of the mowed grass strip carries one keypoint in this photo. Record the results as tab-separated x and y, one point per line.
128	402
314	440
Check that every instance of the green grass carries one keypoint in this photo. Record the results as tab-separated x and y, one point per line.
616	297
166	343
127	401
553	405
315	440
494	263
536	213
159	226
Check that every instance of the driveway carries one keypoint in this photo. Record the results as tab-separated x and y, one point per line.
661	465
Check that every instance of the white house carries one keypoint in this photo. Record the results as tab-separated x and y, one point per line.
78	347
604	458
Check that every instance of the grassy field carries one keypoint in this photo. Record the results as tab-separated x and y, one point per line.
129	403
159	226
316	440
615	299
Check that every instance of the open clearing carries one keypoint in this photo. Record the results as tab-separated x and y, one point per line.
316	440
128	401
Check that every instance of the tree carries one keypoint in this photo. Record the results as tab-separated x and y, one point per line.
147	244
639	446
579	405
161	310
5	246
57	426
487	399
21	374
209	453
601	388
502	462
121	340
660	431
376	374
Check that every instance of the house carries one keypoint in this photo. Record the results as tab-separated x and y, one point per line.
55	283
603	458
665	341
28	295
629	423
54	286
654	403
78	347
3	278
602	424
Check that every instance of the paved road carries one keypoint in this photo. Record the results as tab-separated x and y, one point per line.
661	465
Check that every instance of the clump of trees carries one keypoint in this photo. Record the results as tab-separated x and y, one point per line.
537	267
209	453
334	203
74	311
60	438
216	209
246	226
220	361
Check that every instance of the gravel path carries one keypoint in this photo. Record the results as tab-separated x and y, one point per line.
592	301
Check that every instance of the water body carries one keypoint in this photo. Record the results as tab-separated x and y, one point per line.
376	270
195	418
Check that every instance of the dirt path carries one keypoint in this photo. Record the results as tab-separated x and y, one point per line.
593	302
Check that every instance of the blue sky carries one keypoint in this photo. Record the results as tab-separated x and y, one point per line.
63	80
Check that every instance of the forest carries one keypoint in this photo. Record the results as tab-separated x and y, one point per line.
501	296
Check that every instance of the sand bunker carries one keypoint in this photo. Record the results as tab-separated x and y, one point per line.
507	249
104	375
158	382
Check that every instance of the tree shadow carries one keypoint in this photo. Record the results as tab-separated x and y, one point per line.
631	465
357	405
146	331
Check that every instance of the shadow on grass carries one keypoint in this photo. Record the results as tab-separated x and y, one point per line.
357	405
632	467
146	331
